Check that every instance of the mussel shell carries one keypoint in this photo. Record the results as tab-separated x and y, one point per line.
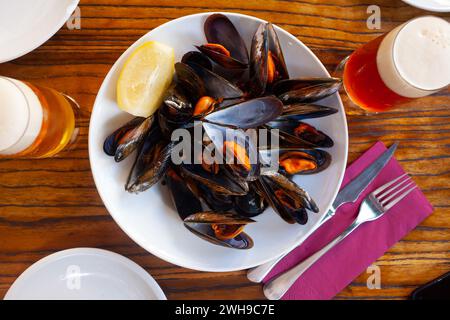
200	224
277	206
300	216
184	199
250	205
249	114
275	49
150	165
204	231
294	212
220	30
291	188
112	141
221	59
235	168
301	111
216	86
239	172
258	61
219	183
321	158
193	86
195	57
178	104
306	90
265	40
306	140
167	126
210	217
132	139
215	201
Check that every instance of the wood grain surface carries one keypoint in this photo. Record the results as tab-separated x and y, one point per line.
52	204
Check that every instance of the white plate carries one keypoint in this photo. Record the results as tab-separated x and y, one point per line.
150	219
85	274
430	5
26	24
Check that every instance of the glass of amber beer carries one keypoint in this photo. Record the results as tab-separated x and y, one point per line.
35	121
411	61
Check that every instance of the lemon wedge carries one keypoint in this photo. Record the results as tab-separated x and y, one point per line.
144	79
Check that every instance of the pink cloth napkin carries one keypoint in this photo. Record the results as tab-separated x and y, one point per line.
341	265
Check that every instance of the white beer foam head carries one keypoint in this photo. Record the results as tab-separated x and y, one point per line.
21	116
414	59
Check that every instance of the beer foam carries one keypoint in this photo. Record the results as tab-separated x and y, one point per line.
414	59
21	116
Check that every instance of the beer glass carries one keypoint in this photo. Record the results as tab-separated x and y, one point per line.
411	61
35	121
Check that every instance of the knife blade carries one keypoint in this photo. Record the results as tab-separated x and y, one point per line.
352	190
350	193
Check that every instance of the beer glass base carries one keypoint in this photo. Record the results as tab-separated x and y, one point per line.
351	108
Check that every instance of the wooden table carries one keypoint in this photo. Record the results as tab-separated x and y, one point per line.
51	205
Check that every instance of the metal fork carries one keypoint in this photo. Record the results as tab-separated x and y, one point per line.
372	207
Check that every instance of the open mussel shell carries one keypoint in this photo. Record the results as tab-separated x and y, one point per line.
220	182
185	200
241	160
220	30
151	163
216	86
299	134
295	161
208	226
287	198
277	54
237	149
123	135
291	188
267	64
306	90
279	206
301	111
195	57
249	114
258	61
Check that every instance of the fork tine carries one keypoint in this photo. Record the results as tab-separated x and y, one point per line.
383	187
393	195
392	188
394	202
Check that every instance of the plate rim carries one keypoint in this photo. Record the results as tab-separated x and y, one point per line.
433	8
160	253
34	44
118	258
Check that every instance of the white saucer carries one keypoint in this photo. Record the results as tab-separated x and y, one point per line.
26	24
85	274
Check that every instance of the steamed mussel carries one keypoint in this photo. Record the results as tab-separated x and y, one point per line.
224	228
226	86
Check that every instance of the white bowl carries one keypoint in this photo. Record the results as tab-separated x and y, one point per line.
150	218
26	24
